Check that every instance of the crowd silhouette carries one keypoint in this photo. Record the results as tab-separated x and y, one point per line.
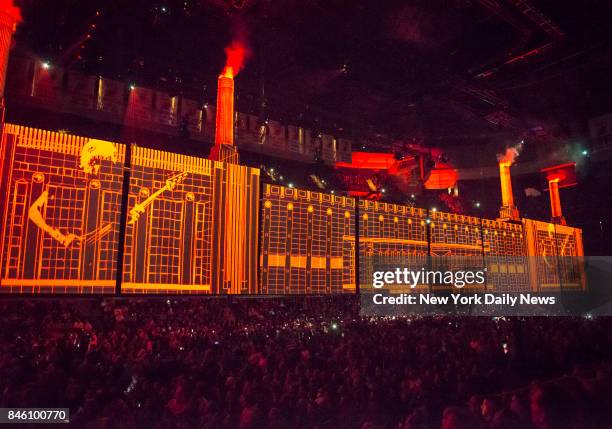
300	363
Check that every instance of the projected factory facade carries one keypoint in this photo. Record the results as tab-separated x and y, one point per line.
307	242
193	225
61	198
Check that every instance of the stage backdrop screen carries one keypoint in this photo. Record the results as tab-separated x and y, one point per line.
191	225
307	242
60	201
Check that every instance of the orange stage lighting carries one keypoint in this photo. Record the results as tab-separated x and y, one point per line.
508	210
225	109
224	149
369	161
192	227
559	176
441	178
10	16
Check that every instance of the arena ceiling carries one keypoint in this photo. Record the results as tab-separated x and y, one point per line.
446	71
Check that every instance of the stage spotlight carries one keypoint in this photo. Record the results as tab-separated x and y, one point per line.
46	65
132	86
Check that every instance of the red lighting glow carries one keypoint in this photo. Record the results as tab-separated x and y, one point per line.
237	53
8	7
369	161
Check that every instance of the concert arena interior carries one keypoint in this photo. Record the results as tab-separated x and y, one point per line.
197	196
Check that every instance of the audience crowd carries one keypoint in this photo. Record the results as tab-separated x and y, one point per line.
300	363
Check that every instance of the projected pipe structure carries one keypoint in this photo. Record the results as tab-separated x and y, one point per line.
559	176
508	210
224	149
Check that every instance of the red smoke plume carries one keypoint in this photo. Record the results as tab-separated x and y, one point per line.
8	7
237	53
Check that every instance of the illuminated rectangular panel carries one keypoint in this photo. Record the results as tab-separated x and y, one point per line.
61	198
307	242
391	233
569	249
191	225
555	255
456	243
505	257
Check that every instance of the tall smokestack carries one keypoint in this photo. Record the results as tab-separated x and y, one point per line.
224	148
559	176
10	16
508	210
555	202
224	133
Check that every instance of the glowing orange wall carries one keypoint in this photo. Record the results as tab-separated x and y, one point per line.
193	227
77	252
307	242
518	256
192	223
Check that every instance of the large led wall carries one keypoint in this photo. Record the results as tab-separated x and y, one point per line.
192	225
518	257
60	203
307	242
391	234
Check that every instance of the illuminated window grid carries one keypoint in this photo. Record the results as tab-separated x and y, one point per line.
55	157
107	249
455	235
129	247
390	232
202	244
456	243
16	229
507	265
547	262
164	244
164	233
111	185
561	240
569	263
296	221
65	211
